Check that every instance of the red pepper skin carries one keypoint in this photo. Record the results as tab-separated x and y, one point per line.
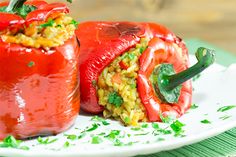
39	90
159	52
10	21
102	42
44	11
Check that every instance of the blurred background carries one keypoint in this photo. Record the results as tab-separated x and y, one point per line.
213	21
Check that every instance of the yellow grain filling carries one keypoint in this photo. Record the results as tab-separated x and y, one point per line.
52	33
119	79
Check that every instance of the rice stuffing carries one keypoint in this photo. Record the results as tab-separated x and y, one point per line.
117	90
52	33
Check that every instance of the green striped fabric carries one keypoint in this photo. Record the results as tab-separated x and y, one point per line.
219	146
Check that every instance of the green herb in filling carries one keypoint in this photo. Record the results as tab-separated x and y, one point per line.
115	99
75	23
47	24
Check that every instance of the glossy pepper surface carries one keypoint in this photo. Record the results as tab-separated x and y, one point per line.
102	42
39	88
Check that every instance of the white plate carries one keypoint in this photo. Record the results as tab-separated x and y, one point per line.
214	89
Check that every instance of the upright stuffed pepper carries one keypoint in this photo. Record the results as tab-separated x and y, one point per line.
136	72
39	86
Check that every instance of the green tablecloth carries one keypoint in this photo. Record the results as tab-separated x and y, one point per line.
218	146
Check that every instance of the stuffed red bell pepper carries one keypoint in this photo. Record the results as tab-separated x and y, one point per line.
39	86
135	72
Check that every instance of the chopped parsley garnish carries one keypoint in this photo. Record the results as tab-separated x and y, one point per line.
193	106
102	133
96	140
46	141
176	126
117	142
205	121
105	123
66	144
160	139
115	99
71	136
155	126
82	135
225	117
99	119
136	129
144	125
31	64
75	23
167	119
70	1
225	108
161	131
113	134
47	24
11	142
142	134
94	127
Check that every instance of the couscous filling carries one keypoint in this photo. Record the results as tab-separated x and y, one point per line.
52	33
117	90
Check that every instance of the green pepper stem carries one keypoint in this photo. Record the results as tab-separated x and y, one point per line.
14	4
205	58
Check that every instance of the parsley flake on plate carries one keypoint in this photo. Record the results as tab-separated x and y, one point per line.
46	141
205	121
225	108
177	127
96	140
11	142
193	106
